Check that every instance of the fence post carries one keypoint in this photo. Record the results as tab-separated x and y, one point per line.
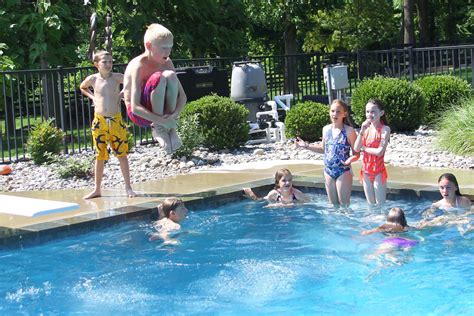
61	105
472	67
319	72
410	63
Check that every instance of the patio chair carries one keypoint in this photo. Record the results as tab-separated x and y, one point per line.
268	122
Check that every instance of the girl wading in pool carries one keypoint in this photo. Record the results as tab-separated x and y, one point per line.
283	192
372	141
338	143
452	200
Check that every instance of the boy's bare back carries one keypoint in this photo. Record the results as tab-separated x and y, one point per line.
106	95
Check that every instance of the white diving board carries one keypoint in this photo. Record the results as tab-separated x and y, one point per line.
16	205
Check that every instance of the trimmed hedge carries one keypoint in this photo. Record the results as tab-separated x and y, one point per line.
44	142
441	92
307	120
222	122
404	102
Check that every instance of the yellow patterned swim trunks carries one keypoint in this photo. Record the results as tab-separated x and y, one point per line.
111	131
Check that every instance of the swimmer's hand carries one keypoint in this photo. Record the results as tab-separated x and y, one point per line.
250	194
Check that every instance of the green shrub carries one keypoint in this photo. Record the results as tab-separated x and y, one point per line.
456	129
72	167
404	102
307	120
440	93
44	138
222	122
190	134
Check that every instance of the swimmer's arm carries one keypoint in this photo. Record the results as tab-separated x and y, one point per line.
465	203
86	85
383	143
319	148
248	192
159	235
300	196
271	197
371	231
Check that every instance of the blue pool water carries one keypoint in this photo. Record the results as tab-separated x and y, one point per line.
246	259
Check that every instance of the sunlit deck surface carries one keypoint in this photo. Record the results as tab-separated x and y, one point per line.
211	186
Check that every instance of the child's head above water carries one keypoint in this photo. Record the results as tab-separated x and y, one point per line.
283	178
173	209
447	182
397	216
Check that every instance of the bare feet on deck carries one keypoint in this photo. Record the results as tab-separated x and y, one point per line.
93	194
130	193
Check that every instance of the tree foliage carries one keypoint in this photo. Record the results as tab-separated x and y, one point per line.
201	28
45	33
354	26
38	33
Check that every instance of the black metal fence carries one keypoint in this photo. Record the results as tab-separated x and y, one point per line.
30	96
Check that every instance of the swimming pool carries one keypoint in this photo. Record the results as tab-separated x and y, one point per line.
245	259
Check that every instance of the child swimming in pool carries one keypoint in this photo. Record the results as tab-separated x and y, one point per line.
452	200
283	192
396	223
171	212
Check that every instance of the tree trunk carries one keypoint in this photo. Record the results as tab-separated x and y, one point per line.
451	24
409	34
423	16
291	78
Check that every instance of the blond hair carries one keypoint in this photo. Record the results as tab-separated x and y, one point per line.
155	32
97	56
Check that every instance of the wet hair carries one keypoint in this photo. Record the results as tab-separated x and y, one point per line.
379	104
99	55
347	119
451	178
155	32
280	174
168	205
397	216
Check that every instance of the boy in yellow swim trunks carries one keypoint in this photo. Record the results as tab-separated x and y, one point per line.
107	126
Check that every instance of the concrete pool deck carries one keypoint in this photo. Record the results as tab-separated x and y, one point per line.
115	206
